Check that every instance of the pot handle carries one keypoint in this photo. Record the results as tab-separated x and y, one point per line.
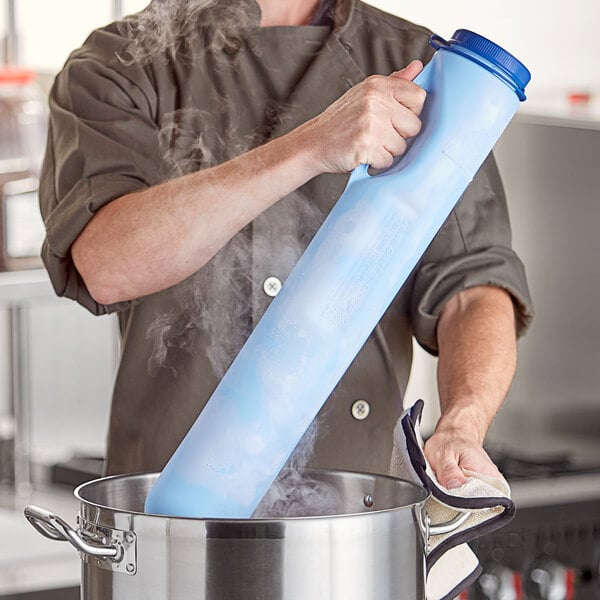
55	528
449	526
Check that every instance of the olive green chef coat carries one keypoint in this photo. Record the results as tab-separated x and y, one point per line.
118	125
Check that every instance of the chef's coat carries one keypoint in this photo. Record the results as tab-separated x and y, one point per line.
125	117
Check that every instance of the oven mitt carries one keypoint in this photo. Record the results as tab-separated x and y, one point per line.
451	564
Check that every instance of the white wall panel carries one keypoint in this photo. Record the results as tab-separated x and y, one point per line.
49	31
558	42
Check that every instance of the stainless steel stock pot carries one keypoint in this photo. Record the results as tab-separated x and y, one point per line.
369	546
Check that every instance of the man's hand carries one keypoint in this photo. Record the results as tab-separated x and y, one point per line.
451	452
369	124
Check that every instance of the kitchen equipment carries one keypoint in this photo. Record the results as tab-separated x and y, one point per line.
23	116
551	549
340	288
370	546
23	126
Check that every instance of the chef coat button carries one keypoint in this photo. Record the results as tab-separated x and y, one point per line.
271	286
360	409
232	46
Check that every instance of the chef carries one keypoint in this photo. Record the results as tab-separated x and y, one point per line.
193	151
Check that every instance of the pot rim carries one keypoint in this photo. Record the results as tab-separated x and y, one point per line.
424	493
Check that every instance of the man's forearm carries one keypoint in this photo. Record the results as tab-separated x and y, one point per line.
477	357
149	240
477	360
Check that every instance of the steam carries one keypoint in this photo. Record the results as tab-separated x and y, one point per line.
166	27
216	308
295	493
184	149
214	311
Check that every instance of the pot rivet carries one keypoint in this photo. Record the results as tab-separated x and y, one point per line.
368	501
129	537
130	568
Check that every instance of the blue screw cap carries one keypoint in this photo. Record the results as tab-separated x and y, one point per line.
463	39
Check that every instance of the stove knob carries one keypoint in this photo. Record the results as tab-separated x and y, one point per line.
497	582
548	579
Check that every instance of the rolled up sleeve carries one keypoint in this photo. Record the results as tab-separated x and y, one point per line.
102	144
472	248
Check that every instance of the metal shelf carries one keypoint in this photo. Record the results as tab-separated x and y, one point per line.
554	107
23	287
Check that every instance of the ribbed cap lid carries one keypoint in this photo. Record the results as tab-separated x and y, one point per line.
493	53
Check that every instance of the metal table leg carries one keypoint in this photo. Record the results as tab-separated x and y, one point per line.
20	393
